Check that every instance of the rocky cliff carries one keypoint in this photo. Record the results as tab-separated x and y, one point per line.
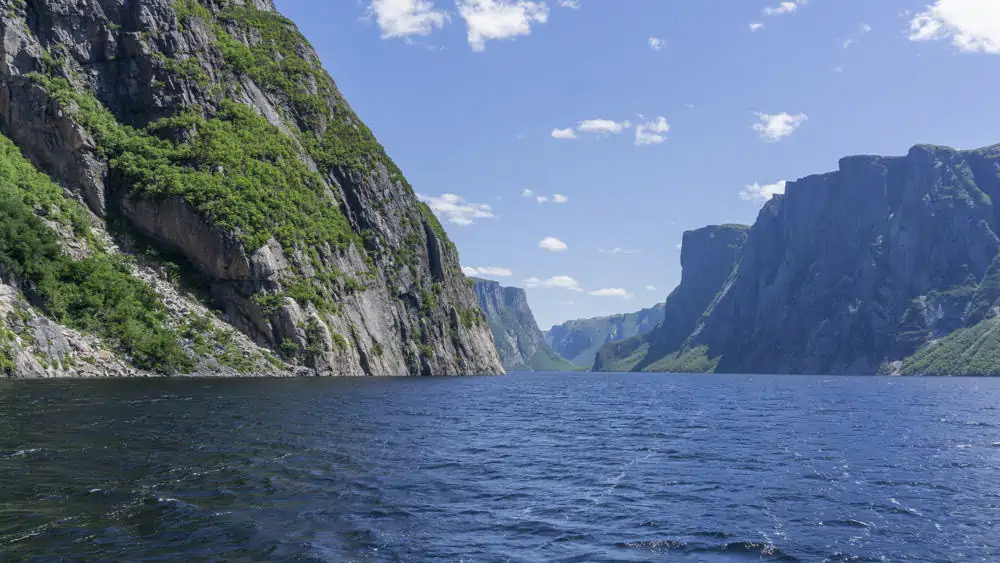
518	340
578	341
709	257
889	264
210	204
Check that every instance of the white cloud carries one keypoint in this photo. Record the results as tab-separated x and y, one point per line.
679	246
574	4
651	132
862	29
559	198
542	199
552	244
490	20
756	26
527	193
612	292
402	18
777	126
758	193
555	282
786	7
650	288
657	44
567	133
971	25
617	251
603	126
455	209
567	303
487	271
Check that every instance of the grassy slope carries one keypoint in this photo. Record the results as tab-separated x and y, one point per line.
969	351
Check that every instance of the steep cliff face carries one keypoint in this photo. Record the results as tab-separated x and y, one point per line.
855	270
578	341
709	257
889	264
209	146
518	340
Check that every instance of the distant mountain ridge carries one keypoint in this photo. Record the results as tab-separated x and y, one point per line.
516	335
579	340
887	265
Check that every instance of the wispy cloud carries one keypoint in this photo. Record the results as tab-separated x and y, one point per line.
567	134
612	292
573	4
783	8
491	271
971	25
603	126
651	132
454	209
758	193
657	44
559	198
863	29
777	126
403	18
755	26
617	251
555	282
490	20
650	288
552	244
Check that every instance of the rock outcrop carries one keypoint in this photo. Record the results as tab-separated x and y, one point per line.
709	257
518	340
208	144
890	264
578	341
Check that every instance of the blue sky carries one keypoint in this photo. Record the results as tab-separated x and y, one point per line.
469	97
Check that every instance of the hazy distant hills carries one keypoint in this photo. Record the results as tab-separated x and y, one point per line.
516	334
578	341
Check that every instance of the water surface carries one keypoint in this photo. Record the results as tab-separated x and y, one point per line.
529	467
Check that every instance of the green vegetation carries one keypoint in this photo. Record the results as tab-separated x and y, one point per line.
276	59
695	360
546	360
238	171
7	365
314	339
96	294
426	350
377	350
218	343
969	351
21	180
471	318
339	341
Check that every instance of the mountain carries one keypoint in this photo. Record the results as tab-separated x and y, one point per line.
185	190
889	264
518	340
709	257
578	341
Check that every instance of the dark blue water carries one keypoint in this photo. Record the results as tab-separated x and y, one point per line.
522	468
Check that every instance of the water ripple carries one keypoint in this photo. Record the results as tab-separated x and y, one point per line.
524	468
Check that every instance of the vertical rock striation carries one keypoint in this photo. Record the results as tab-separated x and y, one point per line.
889	264
206	134
519	342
